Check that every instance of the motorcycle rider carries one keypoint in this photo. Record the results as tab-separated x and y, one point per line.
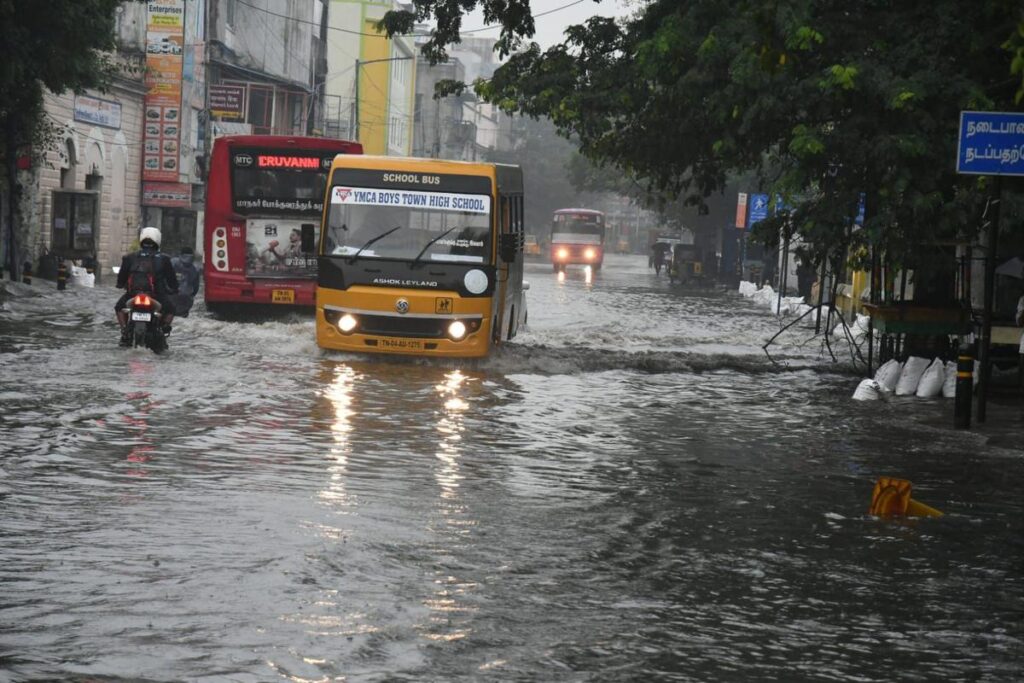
147	271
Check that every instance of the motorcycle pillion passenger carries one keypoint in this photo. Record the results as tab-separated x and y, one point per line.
147	271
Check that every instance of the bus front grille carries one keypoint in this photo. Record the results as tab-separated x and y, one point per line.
395	326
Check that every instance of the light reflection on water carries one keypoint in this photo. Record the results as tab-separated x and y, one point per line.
629	492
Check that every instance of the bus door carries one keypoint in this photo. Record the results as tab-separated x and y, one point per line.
510	266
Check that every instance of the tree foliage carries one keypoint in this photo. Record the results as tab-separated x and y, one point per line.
550	164
56	45
823	99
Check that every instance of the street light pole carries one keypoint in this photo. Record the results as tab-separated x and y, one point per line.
355	101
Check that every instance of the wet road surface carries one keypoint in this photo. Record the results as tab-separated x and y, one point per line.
630	491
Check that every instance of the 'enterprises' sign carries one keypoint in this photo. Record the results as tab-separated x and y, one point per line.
991	143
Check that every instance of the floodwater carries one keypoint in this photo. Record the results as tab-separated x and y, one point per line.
632	491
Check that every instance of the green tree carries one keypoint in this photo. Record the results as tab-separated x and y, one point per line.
56	45
824	100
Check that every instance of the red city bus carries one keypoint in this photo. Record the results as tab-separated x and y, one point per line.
577	237
262	193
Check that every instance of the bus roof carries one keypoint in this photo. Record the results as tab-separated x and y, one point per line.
297	141
374	161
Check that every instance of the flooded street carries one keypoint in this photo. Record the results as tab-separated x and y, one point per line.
630	491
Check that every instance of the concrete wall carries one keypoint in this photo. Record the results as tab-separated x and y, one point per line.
261	40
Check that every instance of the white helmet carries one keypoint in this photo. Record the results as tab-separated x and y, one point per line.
150	233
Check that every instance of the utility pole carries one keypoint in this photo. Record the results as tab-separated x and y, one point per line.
985	341
355	106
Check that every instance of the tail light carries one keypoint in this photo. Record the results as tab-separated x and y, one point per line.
142	301
219	249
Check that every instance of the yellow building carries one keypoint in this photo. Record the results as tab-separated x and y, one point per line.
369	92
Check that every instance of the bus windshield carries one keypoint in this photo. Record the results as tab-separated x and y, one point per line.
578	225
409	225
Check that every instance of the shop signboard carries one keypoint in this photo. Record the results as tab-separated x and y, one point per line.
97	111
227	101
165	39
173	195
741	210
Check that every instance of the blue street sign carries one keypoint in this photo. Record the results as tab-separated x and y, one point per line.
991	143
758	209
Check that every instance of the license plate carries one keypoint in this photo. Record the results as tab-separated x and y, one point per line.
142	317
283	296
401	344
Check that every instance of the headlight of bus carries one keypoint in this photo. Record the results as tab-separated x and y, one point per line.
457	330
347	323
589	254
563	253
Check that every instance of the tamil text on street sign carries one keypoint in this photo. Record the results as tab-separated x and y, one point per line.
758	209
991	143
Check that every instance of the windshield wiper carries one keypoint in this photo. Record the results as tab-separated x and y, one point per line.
352	259
428	245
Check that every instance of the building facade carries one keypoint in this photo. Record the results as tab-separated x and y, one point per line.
460	127
369	90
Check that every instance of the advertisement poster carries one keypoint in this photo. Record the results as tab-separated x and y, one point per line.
274	249
165	39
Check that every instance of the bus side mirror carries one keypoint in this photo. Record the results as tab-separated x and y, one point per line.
508	247
308	238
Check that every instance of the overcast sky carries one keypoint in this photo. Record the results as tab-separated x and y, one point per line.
551	26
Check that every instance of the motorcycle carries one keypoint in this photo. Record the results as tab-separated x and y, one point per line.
144	323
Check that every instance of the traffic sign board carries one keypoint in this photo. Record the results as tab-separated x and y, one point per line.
991	143
758	209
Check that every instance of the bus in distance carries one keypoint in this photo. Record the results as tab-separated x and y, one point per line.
261	192
420	256
577	238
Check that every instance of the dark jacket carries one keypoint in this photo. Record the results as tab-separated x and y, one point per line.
188	274
164	280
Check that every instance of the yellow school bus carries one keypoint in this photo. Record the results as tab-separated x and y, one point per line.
420	256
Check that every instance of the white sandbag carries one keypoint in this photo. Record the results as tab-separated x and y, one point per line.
889	374
791	305
910	377
931	382
765	296
949	383
747	289
80	277
867	390
859	329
